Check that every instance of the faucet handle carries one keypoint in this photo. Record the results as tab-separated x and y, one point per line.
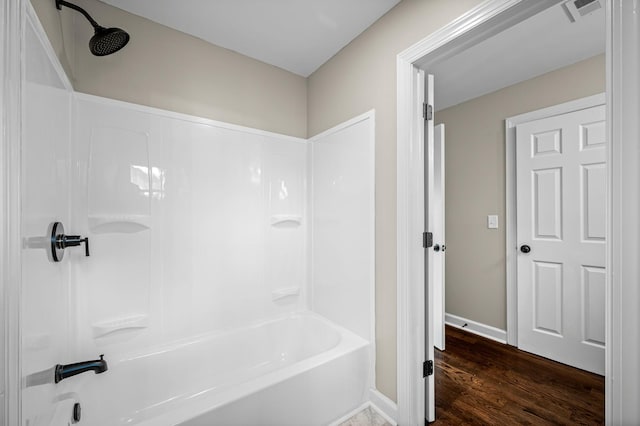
60	241
85	240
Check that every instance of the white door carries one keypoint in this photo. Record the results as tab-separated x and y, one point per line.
561	202
439	246
429	174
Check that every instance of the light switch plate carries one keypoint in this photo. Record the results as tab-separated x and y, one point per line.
492	221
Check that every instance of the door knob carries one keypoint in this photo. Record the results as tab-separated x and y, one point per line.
525	248
439	247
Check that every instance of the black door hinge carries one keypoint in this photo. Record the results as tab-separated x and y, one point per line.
427	368
427	111
427	239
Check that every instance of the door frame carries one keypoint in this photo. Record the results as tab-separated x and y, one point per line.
11	68
511	210
622	373
481	22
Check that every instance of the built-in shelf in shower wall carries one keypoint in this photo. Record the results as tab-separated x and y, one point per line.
116	280
286	220
283	293
130	323
113	223
285	172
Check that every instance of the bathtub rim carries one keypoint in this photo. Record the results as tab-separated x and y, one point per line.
197	338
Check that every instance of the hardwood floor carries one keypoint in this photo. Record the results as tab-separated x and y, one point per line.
479	381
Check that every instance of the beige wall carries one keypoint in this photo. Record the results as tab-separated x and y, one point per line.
360	77
53	23
167	69
475	184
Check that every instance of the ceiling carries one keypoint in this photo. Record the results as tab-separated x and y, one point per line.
296	35
543	43
301	35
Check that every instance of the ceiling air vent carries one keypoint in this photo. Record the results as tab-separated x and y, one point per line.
576	9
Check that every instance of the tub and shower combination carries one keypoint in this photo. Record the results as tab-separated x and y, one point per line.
231	276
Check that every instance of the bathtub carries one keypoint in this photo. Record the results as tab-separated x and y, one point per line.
295	370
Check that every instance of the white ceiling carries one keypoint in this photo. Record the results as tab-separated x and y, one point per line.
542	43
297	35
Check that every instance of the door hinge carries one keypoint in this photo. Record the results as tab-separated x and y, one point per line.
427	369
427	239
427	111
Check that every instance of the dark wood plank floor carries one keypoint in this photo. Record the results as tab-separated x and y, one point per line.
479	381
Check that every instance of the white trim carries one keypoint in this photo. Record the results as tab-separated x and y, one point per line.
622	371
410	255
478	328
511	213
456	28
477	24
559	109
384	406
11	77
612	408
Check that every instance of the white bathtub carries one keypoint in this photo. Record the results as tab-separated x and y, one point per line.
297	370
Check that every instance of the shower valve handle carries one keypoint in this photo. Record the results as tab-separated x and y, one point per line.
64	241
60	241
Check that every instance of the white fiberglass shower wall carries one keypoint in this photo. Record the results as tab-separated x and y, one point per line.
230	269
194	226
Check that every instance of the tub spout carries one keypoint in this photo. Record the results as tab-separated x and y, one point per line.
68	370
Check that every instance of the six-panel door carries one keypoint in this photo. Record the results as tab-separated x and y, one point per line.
561	224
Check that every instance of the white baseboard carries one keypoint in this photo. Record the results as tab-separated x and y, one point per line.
384	406
474	327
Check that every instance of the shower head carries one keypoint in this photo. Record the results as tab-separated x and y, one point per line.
105	41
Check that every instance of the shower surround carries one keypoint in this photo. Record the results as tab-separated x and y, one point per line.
231	269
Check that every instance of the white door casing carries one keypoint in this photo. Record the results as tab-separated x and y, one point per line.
561	205
429	180
438	238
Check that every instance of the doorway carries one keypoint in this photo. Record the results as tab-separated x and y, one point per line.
473	241
476	185
418	57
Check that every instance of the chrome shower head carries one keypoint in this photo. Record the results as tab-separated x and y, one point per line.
105	41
